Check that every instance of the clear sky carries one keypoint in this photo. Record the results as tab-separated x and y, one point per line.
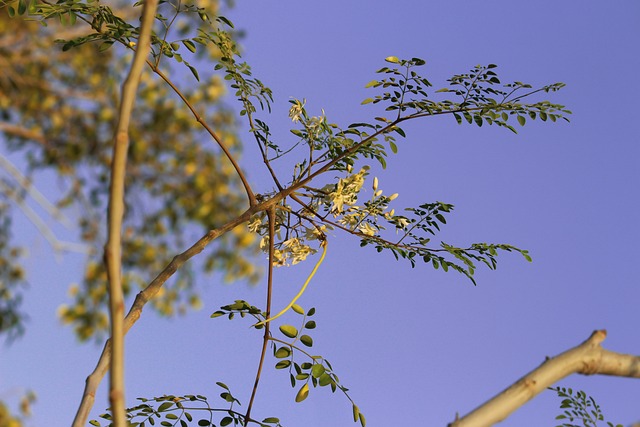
415	346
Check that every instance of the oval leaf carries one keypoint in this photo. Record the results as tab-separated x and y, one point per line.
282	352
302	393
317	370
306	340
289	331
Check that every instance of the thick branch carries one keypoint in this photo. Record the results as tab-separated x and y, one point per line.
113	247
588	358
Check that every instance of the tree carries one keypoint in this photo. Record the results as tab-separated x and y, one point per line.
478	99
40	101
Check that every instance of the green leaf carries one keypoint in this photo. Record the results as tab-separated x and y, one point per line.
226	421
165	406
311	324
194	72
302	393
317	370
325	379
392	59
271	420
363	422
394	147
283	364
367	101
225	20
223	385
372	83
522	120
297	309
105	45
289	331
22	7
189	45
356	412
217	314
306	340
282	352
400	132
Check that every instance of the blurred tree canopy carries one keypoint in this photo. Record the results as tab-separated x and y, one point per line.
57	113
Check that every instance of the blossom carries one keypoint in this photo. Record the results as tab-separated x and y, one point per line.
368	229
254	225
346	192
296	110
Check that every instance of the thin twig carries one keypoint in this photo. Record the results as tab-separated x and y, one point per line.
245	183
271	214
28	186
41	225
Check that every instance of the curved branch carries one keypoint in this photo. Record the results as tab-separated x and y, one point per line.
221	144
588	358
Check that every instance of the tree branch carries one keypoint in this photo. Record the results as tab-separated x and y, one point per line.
113	247
94	379
588	358
221	144
271	213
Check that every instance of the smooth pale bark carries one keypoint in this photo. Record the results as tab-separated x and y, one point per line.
113	247
588	358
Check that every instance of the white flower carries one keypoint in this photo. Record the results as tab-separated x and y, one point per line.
313	233
368	229
346	192
255	224
296	110
296	251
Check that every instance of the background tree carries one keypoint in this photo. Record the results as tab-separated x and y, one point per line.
59	118
367	230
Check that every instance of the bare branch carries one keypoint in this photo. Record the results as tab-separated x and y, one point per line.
211	132
588	358
271	213
113	247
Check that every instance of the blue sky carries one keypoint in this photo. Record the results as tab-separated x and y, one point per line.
415	346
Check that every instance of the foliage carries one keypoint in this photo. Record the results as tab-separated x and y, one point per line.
11	280
180	409
171	185
57	111
579	407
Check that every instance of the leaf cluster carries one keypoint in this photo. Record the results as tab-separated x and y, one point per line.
170	410
580	407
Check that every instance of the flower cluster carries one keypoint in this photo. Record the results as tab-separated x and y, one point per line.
345	192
